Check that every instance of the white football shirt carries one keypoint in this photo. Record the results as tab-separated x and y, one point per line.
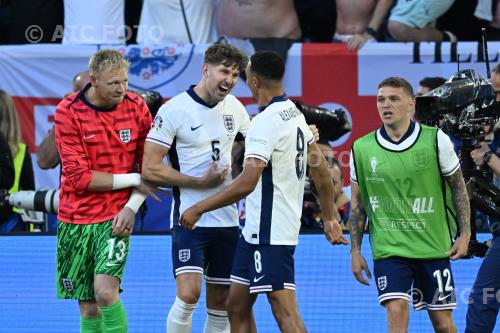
279	136
198	134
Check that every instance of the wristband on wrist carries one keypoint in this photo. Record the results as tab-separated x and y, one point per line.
125	180
487	156
371	32
135	201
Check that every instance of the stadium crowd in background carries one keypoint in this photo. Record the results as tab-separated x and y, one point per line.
204	21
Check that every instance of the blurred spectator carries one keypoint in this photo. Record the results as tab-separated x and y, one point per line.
35	21
268	24
360	21
80	80
429	83
317	20
414	21
311	214
24	178
5	21
132	18
47	154
188	21
487	13
94	22
454	18
7	175
341	199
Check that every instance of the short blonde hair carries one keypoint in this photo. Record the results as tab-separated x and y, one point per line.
107	59
9	123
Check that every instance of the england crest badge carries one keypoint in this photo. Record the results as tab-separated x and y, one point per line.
382	282
184	255
229	122
125	135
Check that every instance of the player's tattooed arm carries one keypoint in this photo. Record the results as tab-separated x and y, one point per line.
357	218
462	208
460	200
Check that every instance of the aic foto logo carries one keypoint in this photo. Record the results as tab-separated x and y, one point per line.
154	67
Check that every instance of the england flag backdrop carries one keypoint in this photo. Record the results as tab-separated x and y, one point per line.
37	76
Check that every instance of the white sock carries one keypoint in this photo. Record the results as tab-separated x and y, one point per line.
180	317
217	322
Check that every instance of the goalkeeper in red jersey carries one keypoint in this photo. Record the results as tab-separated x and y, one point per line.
100	133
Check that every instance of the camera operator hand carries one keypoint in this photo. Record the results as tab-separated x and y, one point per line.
483	155
477	154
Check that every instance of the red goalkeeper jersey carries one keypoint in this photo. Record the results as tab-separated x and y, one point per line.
91	139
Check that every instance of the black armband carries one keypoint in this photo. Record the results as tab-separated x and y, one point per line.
372	32
487	156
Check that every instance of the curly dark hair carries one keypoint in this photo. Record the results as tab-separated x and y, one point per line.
226	55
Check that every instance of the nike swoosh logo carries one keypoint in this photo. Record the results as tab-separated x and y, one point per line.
255	280
108	264
88	136
195	128
443	298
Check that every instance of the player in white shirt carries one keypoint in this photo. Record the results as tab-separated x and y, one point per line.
197	129
277	149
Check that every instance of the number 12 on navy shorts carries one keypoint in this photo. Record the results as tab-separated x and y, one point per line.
429	283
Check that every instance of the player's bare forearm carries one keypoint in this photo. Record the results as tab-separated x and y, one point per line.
460	201
323	182
237	190
158	173
164	175
357	218
243	185
101	182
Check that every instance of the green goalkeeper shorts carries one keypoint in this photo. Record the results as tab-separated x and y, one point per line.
83	251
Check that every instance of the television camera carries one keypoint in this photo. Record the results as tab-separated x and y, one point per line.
464	107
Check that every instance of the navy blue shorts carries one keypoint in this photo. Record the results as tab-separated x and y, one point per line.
429	283
264	268
208	251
